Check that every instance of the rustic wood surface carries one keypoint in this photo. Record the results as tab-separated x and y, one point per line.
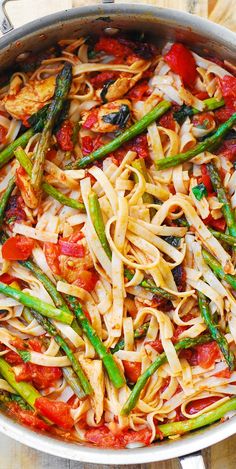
15	455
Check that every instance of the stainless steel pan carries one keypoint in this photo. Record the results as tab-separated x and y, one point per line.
162	24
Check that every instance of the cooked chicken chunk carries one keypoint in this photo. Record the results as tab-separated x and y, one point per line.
120	87
109	117
94	371
29	99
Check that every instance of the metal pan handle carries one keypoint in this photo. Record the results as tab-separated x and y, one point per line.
193	461
5	23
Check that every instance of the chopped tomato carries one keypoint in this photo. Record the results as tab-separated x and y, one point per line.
56	411
91	119
196	406
207	354
65	136
15	210
41	376
224	373
139	91
228	149
51	153
179	416
219	224
132	370
17	248
76	236
88	144
167	121
227	110
3	133
101	78
35	344
86	279
13	358
205	179
204	120
52	252
18	343
157	345
26	417
6	278
71	249
201	95
112	46
165	384
181	61
103	437
140	145
228	86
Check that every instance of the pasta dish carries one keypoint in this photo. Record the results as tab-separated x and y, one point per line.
118	241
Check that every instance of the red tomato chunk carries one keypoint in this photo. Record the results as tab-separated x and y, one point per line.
104	438
65	136
26	417
132	370
181	61
18	248
196	406
56	411
41	376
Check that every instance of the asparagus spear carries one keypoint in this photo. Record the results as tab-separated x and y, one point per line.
141	167
142	380
37	123
127	135
49	327
26	163
218	270
112	369
25	390
210	104
5	197
224	237
98	223
184	426
223	198
63	84
208	144
38	305
214	330
138	334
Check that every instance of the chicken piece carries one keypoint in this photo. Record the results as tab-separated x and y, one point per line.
119	88
108	118
29	99
94	372
69	266
26	189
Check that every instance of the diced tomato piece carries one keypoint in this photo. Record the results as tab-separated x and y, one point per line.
228	149
17	248
181	61
195	406
223	374
35	344
157	345
3	133
56	411
167	121
132	370
13	358
41	376
91	119
206	179
205	120
103	437
88	144
179	416
71	249
140	145
7	278
52	252
15	209
201	95
139	91
101	78
219	224
227	110
228	86
18	343
207	354
26	417
76	236
112	46
86	279
51	153
65	136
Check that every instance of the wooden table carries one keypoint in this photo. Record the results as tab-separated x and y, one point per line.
17	456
